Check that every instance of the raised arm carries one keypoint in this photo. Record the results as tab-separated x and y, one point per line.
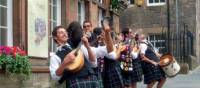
108	38
91	54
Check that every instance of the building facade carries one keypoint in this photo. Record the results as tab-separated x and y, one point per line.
172	27
29	23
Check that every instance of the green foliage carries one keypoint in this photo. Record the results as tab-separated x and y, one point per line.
115	4
15	64
19	66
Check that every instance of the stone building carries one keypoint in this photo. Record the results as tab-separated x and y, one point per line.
29	23
180	37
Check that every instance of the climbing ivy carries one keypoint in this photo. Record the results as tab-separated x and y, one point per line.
115	4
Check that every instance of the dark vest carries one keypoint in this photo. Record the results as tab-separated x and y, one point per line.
84	72
150	53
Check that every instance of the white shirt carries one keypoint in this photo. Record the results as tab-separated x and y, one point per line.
143	47
101	51
134	55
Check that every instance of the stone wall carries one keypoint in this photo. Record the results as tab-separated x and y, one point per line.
198	30
94	14
39	80
156	16
154	20
143	17
116	23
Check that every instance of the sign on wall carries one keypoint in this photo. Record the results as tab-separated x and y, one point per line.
37	28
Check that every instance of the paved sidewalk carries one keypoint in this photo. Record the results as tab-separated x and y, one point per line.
190	80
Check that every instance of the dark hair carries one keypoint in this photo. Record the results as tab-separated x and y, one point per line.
54	32
97	30
87	21
75	33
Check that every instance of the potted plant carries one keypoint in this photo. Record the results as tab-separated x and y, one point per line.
15	62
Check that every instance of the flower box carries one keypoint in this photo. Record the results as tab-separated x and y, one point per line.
15	62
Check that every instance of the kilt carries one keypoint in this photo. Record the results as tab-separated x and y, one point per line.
99	76
113	77
85	82
135	75
152	73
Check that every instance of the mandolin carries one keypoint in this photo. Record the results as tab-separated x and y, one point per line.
78	63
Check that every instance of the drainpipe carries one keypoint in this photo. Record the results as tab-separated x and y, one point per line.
168	26
177	29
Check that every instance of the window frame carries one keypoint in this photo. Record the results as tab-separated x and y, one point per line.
154	41
100	1
156	4
131	2
100	16
81	13
9	26
52	21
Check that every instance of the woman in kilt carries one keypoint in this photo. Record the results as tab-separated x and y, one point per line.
134	75
108	68
151	70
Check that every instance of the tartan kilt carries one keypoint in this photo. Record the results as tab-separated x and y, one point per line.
135	75
85	82
152	73
99	76
113	76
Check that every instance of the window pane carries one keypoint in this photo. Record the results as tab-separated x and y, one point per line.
54	13
54	24
132	1
101	1
158	44
150	1
162	0
54	2
3	2
3	34
151	37
3	16
79	11
156	1
157	37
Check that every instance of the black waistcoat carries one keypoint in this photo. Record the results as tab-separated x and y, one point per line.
84	72
150	53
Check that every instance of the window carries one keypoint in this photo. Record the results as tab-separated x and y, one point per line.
81	11
55	20
6	31
131	2
157	41
156	2
100	16
100	1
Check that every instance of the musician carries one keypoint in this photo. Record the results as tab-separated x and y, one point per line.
150	59
58	62
87	29
84	78
107	68
134	74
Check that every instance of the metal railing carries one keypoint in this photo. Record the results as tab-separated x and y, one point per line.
181	46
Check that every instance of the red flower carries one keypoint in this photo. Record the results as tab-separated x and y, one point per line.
7	50
11	51
22	53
